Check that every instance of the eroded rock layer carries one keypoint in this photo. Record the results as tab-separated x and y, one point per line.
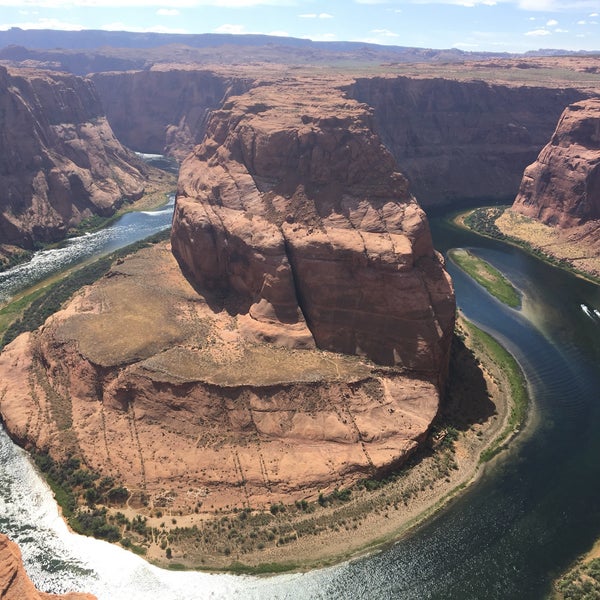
146	382
59	159
293	205
14	582
562	187
164	109
460	140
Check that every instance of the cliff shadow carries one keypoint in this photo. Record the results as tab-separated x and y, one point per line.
467	399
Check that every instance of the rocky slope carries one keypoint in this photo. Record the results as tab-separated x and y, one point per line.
146	381
59	159
460	140
14	582
293	204
562	187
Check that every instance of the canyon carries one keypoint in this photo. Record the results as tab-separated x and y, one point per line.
557	208
60	161
293	336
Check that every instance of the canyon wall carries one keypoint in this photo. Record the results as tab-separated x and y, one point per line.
59	159
461	140
562	187
163	110
293	205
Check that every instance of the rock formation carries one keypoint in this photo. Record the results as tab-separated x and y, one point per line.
307	349
562	187
462	140
14	582
293	204
59	160
146	381
164	109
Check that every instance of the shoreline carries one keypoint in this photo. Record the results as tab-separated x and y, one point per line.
348	529
544	234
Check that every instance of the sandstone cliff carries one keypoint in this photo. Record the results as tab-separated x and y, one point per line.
164	109
14	582
562	187
147	382
255	381
59	160
461	140
293	204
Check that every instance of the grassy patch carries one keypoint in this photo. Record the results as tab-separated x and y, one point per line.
483	221
485	343
487	276
30	311
581	583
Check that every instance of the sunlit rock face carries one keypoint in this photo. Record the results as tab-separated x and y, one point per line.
293	204
59	160
562	187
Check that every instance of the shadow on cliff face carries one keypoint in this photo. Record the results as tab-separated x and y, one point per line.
467	400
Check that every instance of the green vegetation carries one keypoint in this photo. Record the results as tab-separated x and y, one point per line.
29	312
581	583
483	221
484	342
487	276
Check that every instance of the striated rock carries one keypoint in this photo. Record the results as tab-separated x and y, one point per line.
164	109
294	206
59	160
562	187
142	379
461	140
14	582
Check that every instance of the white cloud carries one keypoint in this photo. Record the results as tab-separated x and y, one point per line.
279	33
559	30
44	24
538	32
119	26
167	12
321	37
594	15
384	33
316	16
65	4
551	23
581	23
464	45
230	28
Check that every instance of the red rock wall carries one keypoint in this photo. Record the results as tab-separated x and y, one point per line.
462	140
14	582
163	111
59	160
293	205
562	187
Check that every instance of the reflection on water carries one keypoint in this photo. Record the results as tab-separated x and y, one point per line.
531	514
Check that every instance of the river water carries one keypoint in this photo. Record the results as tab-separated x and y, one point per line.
534	510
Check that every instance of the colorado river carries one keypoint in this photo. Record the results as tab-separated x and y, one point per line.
508	536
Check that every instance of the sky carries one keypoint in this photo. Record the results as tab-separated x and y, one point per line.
470	25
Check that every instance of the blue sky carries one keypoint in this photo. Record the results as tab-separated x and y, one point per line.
491	25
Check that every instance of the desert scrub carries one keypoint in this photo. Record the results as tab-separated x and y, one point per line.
36	307
77	491
487	276
581	583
